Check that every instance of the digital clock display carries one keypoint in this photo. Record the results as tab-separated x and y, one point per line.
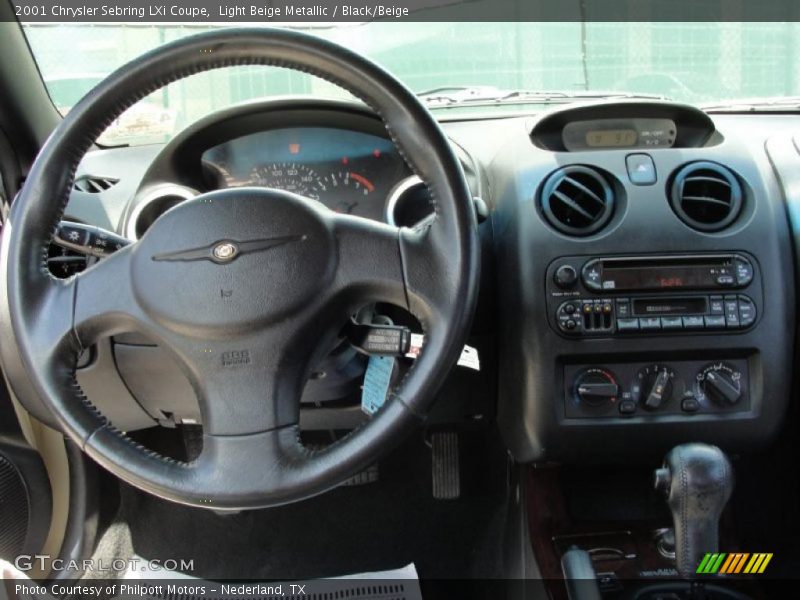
600	134
611	138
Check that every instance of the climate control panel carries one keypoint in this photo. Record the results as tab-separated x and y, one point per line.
652	389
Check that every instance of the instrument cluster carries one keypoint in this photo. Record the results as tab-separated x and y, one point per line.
350	172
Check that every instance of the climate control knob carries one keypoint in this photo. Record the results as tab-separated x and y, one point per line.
654	386
596	387
720	383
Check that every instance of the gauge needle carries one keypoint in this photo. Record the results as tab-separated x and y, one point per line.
346	207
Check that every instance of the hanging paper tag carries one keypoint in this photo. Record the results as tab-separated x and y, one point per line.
469	356
376	383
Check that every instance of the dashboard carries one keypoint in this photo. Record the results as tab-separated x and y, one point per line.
638	269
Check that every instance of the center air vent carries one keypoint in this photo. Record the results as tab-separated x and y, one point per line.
706	196
577	200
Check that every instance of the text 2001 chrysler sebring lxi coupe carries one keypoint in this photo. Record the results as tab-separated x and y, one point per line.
273	312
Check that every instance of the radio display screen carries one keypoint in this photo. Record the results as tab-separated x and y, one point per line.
684	275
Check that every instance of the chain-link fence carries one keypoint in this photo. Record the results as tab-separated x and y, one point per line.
693	62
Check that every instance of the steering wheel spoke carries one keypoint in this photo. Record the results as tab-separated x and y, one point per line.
370	266
104	300
244	384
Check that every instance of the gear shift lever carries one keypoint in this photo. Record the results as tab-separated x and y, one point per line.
697	480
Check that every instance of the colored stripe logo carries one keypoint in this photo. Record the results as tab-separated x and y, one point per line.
734	563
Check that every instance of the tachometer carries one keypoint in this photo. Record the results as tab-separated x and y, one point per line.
346	189
292	177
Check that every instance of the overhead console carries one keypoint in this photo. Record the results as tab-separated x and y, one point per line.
645	269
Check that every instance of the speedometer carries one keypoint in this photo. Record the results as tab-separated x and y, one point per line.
291	177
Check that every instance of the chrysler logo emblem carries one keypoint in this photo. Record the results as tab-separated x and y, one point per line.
224	251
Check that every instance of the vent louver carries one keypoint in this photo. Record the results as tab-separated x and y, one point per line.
706	196
94	185
577	200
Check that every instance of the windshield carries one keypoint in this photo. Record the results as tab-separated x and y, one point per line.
692	62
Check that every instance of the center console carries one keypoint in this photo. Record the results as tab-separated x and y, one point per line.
647	294
654	296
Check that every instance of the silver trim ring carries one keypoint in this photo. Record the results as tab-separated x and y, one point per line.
152	195
403	187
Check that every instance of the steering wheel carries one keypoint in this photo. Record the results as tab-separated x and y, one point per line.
241	286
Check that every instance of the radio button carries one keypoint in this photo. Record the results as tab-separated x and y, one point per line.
715	322
717	305
565	276
732	312
671	323
726	280
591	275
747	311
744	271
627	325
649	323
623	308
693	322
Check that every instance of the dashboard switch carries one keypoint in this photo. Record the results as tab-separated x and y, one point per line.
747	311
623	309
732	312
627	324
641	169
689	404
649	323
693	322
715	322
671	323
744	271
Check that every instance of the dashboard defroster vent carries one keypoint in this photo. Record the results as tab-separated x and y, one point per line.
706	196
94	185
577	200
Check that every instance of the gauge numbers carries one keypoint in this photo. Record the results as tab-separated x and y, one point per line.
291	177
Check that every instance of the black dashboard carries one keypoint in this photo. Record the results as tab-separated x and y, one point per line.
638	284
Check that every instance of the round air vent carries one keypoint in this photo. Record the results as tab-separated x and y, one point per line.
577	200
409	203
154	204
706	196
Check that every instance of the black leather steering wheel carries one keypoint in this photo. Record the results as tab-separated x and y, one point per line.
240	286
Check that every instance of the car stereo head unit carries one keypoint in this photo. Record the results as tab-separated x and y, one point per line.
649	294
630	274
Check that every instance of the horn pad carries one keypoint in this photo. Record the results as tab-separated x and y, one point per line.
233	260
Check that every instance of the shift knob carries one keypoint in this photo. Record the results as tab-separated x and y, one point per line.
697	480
